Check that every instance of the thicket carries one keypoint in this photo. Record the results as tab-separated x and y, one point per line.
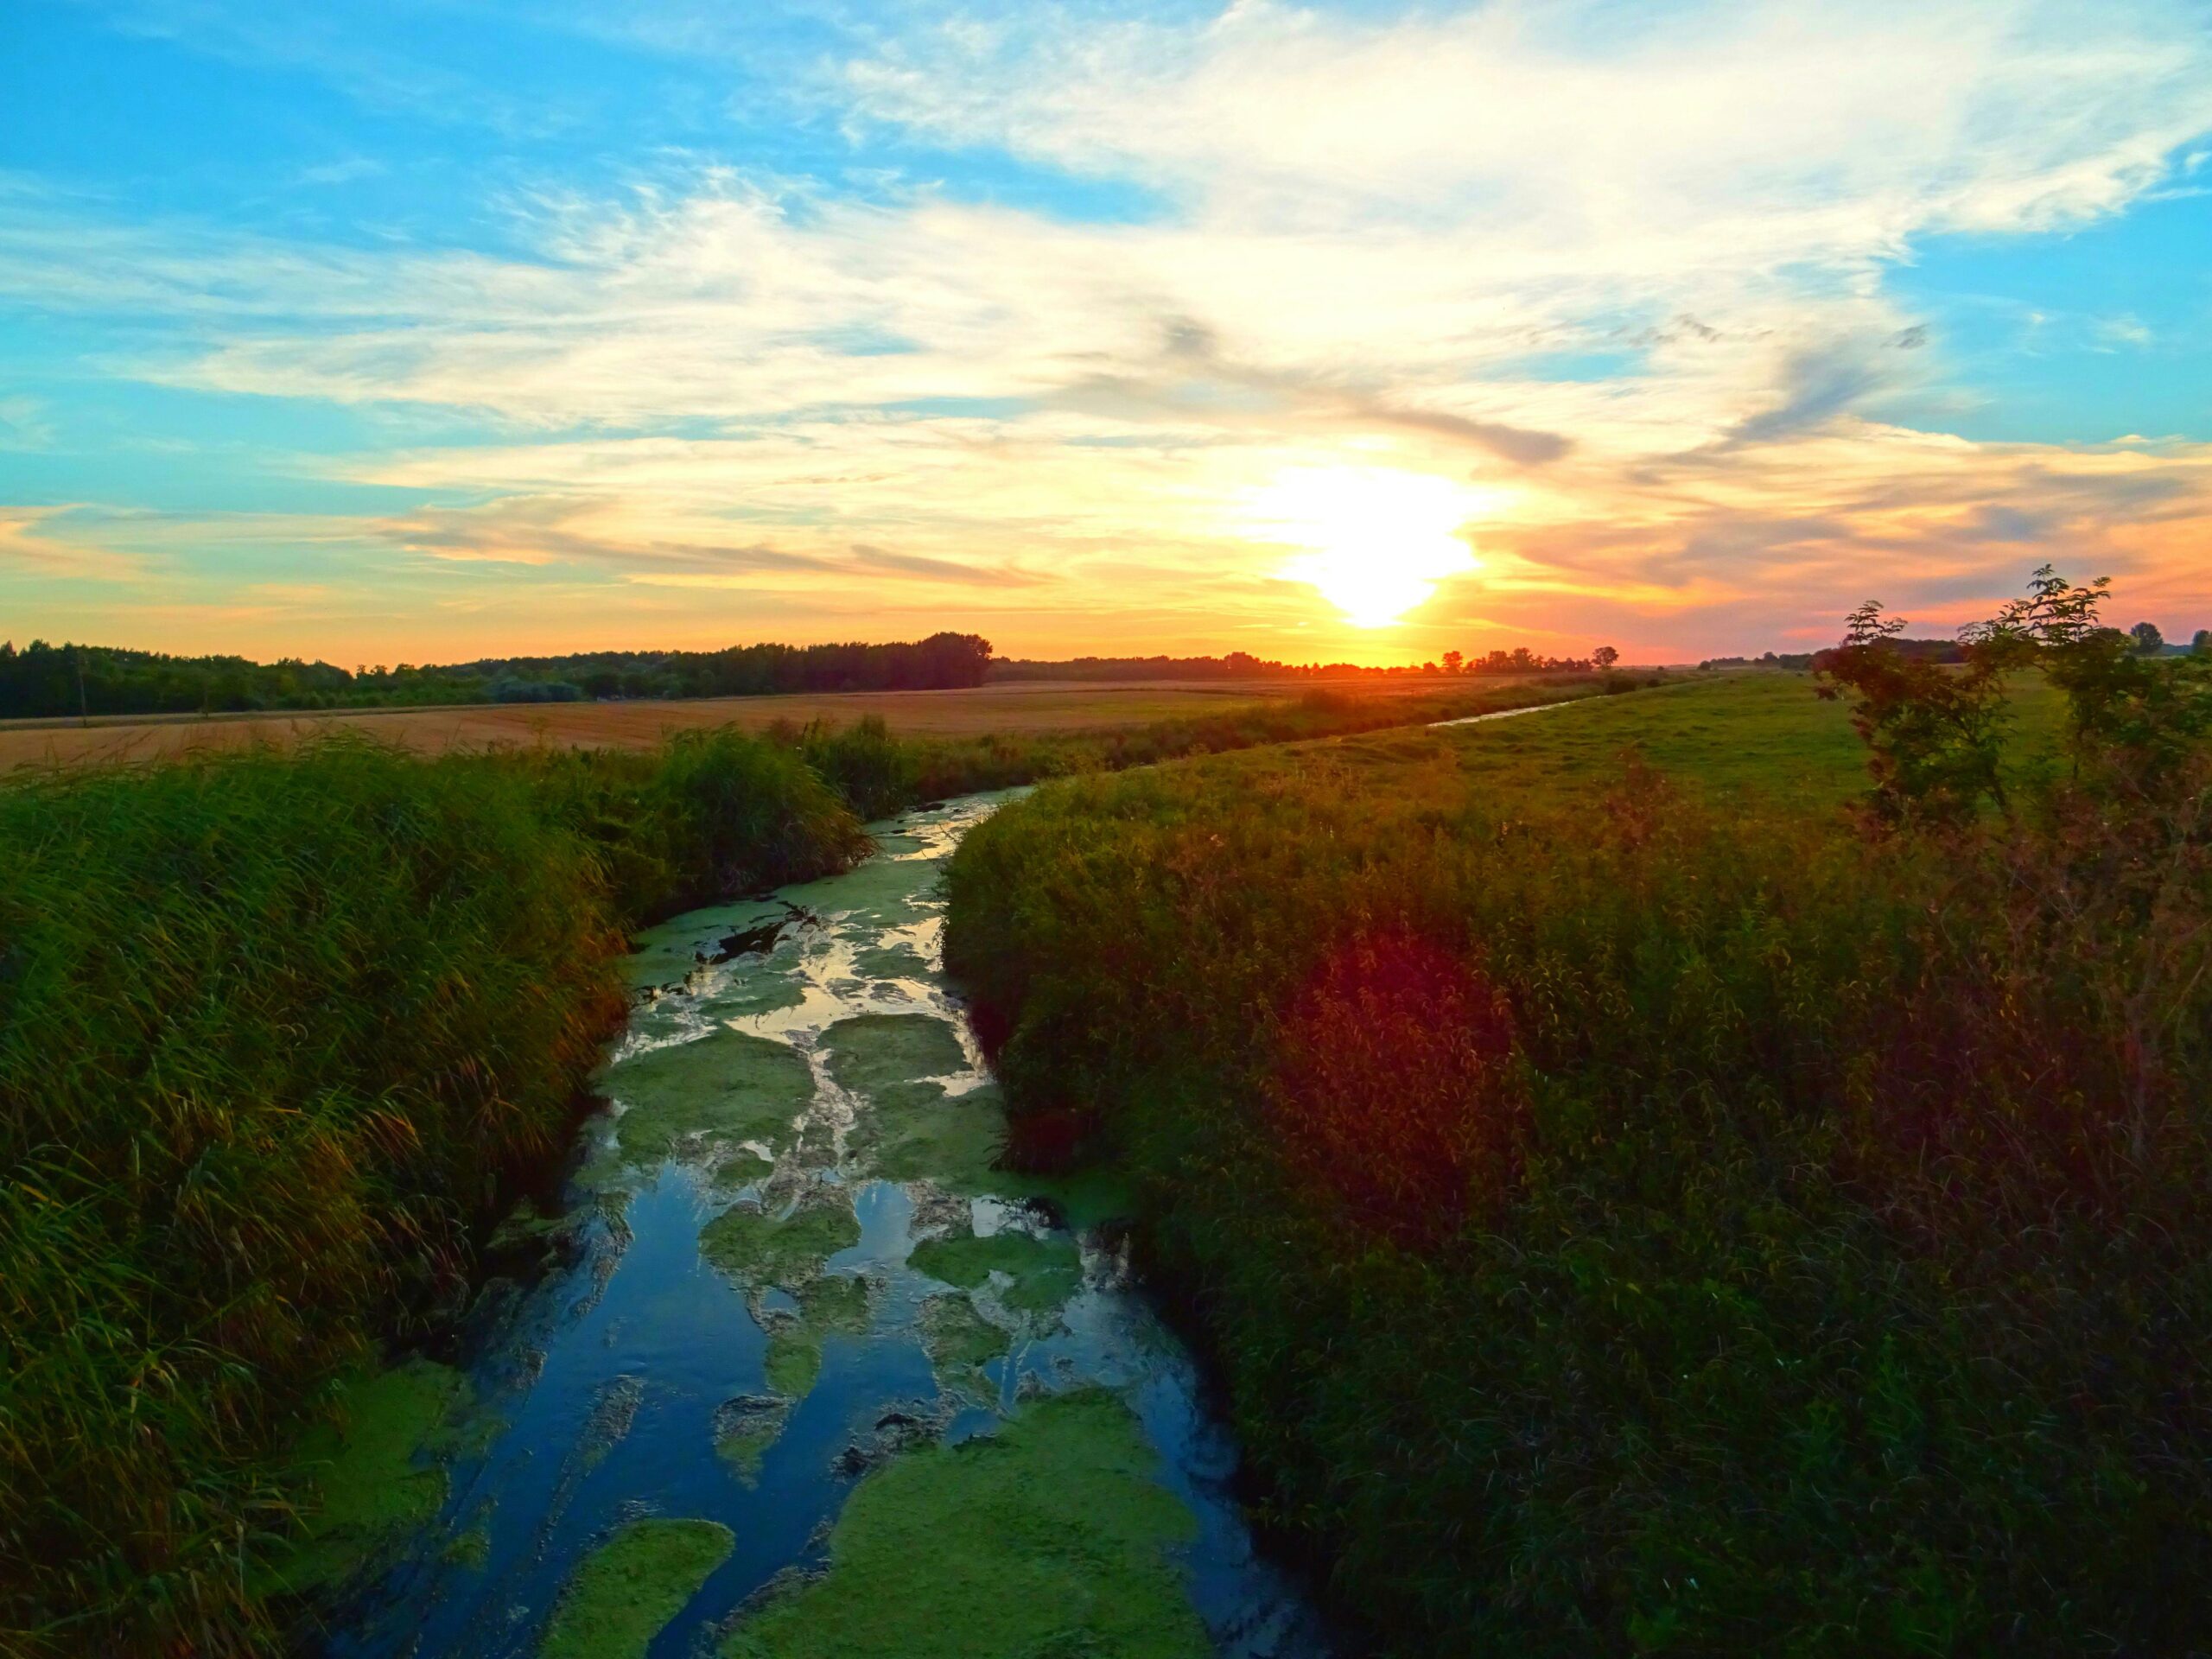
1652	1219
280	1031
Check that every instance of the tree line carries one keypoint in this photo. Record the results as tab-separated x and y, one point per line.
42	680
1240	666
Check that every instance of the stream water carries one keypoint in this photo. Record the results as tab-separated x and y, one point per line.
785	1269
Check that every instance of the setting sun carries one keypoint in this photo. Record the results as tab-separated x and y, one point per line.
1379	539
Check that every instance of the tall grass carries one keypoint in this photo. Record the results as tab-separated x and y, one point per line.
274	1031
1633	1219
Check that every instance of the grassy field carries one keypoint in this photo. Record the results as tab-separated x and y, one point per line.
1633	1206
1011	709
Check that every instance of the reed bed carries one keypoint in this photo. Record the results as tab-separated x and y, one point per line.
1635	1212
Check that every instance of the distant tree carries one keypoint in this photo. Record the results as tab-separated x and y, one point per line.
1429	668
2202	644
1604	656
1453	662
2149	642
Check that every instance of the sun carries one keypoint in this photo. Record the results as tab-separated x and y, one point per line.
1379	539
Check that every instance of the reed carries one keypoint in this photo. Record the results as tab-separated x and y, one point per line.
276	1031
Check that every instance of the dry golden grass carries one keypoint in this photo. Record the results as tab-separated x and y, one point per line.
1022	706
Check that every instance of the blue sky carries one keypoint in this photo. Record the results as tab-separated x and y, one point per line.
416	331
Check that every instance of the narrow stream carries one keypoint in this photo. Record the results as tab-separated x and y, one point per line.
786	1268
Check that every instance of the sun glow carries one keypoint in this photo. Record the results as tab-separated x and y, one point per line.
1379	539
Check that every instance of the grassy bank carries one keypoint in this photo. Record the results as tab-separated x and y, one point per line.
881	772
279	1031
1633	1207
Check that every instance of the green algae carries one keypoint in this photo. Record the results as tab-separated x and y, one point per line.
472	1548
757	1249
629	1587
1042	1272
666	954
748	998
1064	1538
870	1052
892	962
960	1342
367	1481
835	1306
745	1427
917	1132
726	1086
887	892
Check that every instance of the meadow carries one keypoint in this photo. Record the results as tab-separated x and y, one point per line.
1636	1197
284	1030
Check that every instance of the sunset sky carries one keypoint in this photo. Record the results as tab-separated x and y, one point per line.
420	331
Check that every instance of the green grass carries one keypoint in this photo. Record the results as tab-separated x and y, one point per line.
1632	1208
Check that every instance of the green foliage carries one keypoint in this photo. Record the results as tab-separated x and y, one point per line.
1815	1263
1933	735
278	1033
2136	722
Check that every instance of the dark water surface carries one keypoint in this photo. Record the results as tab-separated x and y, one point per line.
601	1392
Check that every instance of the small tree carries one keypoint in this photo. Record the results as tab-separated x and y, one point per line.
1453	662
1934	734
1604	656
2202	644
2149	642
2134	720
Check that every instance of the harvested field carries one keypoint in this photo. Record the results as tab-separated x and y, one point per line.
1020	707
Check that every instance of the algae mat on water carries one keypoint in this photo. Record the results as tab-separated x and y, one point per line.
727	1086
1048	1540
632	1586
369	1481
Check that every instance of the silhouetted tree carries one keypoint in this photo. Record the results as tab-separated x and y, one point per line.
1604	656
2149	642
